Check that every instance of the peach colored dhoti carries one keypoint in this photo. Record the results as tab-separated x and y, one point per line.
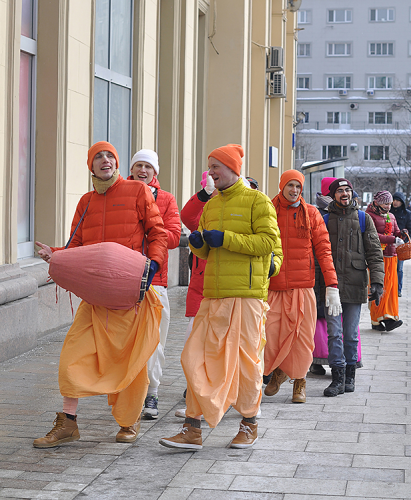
290	329
106	352
221	358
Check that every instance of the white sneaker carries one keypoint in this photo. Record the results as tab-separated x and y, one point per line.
182	413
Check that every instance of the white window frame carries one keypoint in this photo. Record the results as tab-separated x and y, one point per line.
372	80
409	48
373	49
347	16
305	45
299	153
389	10
344	150
304	16
367	152
305	78
333	77
339	117
387	117
331	49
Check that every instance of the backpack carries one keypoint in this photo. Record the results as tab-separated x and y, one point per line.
361	218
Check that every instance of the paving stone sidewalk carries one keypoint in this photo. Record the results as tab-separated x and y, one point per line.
354	446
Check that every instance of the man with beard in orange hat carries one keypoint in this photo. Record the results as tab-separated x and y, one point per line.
291	320
93	359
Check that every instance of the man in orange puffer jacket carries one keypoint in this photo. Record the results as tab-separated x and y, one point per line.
106	350
144	167
290	324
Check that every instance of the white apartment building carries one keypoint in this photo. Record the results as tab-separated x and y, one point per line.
353	72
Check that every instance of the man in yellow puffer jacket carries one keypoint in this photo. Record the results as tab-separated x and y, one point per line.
239	237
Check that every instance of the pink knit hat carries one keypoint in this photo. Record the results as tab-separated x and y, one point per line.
203	181
325	185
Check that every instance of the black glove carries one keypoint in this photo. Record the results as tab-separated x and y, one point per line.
376	291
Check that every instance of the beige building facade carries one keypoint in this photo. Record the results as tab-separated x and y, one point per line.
181	77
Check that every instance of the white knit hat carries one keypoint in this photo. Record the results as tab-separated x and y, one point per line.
147	155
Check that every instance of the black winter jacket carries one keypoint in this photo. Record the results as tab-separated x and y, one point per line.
402	215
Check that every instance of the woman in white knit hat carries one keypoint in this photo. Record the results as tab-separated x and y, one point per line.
144	167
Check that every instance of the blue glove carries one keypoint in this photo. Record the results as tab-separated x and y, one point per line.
214	238
196	239
152	271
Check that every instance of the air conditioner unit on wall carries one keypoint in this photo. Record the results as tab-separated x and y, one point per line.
408	91
354	105
354	147
276	85
342	92
370	92
275	59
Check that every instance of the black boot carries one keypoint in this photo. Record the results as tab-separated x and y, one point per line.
337	386
317	369
350	378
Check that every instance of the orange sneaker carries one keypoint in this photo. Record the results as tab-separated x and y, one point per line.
189	438
246	437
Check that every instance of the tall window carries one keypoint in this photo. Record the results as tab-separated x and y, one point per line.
381	15
381	49
340	16
299	152
339	82
331	152
304	50
380	82
339	49
113	81
25	196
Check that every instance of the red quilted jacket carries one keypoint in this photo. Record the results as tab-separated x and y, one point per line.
125	214
388	239
167	205
190	215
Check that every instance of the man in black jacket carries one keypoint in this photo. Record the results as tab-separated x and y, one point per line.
403	217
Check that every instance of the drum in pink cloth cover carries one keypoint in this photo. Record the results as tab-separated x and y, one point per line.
104	274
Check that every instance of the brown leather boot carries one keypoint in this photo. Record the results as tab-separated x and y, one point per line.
299	390
64	431
128	434
274	384
188	438
246	437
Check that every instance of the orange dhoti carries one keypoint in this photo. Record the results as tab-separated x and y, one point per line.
290	329
388	306
106	352
221	359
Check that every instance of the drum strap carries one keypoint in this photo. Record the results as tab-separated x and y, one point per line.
79	222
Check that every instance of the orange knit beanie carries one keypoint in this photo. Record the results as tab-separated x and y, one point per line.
230	156
291	175
96	148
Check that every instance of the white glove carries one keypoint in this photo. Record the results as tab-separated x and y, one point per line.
398	241
332	301
209	187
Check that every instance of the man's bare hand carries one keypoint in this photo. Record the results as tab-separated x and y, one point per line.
45	253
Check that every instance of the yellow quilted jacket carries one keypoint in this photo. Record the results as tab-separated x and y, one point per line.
239	268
